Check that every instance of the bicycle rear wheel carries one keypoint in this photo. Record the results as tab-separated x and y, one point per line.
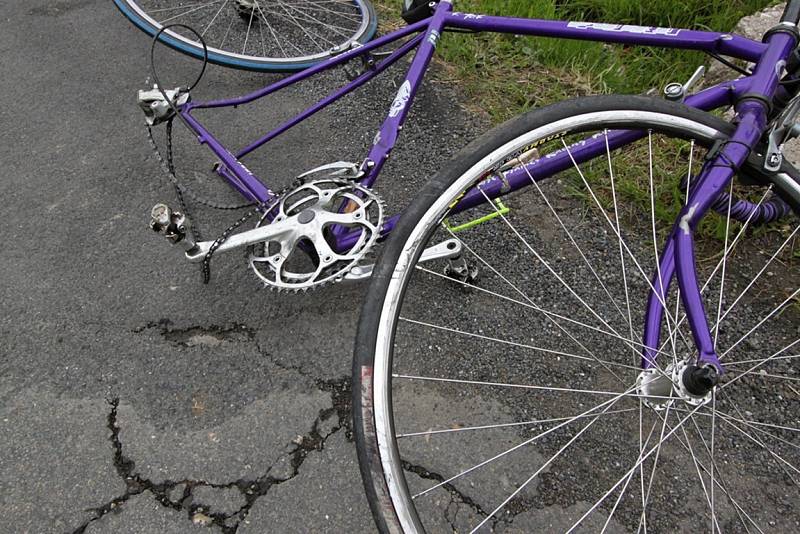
279	35
514	403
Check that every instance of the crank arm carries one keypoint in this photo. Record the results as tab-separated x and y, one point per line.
450	248
250	237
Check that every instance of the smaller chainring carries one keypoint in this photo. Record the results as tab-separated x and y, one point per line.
322	212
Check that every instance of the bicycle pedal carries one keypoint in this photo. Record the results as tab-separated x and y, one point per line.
458	269
173	225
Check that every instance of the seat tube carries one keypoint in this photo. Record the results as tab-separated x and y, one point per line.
386	138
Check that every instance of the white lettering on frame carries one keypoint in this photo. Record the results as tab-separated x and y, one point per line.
624	28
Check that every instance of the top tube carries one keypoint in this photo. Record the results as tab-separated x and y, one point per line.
719	43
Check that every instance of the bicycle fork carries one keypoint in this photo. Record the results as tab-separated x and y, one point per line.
696	377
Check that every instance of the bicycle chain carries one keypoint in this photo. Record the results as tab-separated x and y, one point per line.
206	269
168	167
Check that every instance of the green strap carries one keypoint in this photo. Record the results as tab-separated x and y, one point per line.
501	210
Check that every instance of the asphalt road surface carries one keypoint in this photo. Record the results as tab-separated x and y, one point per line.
133	398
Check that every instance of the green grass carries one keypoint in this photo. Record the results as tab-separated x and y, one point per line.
507	74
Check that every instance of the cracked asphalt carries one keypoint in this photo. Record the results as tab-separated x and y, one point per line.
133	398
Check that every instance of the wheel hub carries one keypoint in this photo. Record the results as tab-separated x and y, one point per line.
245	7
685	381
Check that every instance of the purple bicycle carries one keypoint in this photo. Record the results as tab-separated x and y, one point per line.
602	373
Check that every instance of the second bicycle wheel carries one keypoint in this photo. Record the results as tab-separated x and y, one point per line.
274	35
513	402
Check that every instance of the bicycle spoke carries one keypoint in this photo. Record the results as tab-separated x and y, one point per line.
642	445
318	6
524	386
754	280
535	474
291	18
552	316
643	518
769	451
764	374
182	6
656	257
755	426
189	12
718	480
275	36
742	362
523	295
724	265
761	322
571	238
788	347
305	16
225	37
641	459
433	432
618	232
709	496
211	22
512	343
607	404
619	235
714	420
249	26
547	265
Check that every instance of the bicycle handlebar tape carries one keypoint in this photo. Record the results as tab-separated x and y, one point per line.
792	12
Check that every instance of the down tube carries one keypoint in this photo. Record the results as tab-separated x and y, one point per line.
586	150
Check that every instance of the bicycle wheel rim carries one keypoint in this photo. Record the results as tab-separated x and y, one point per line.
361	34
392	282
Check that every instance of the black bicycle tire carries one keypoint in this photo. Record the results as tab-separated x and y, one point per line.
366	339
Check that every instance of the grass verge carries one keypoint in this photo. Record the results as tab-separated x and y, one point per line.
508	74
505	75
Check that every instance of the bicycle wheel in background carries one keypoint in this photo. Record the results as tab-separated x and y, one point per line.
513	403
274	35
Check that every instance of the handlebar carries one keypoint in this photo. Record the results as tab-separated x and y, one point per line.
792	12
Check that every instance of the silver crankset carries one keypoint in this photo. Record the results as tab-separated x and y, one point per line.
292	246
305	254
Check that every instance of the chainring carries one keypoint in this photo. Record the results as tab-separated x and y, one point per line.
305	256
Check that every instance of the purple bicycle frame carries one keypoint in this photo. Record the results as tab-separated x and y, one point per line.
750	95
